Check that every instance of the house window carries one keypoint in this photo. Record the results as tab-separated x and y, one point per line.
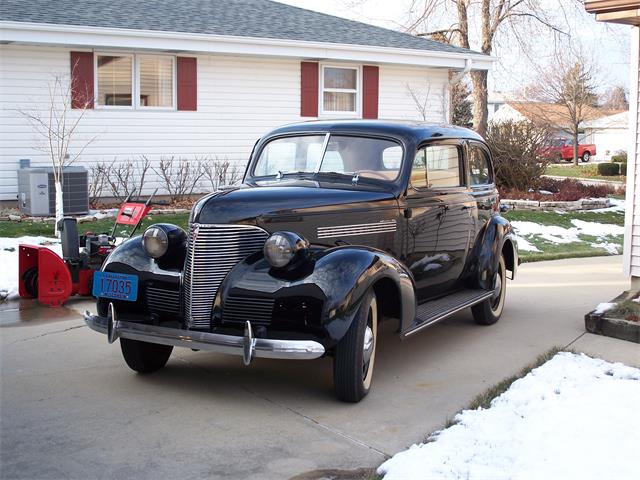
340	90
149	79
115	80
155	74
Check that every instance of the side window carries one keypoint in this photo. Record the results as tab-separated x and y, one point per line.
437	166
419	170
479	166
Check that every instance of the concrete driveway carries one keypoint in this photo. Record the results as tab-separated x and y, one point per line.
70	408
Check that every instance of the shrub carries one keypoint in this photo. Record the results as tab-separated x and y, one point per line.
566	190
619	157
518	150
608	169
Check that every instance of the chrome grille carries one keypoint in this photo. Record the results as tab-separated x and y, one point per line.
212	251
160	300
239	309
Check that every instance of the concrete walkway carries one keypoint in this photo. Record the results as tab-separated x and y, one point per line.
72	409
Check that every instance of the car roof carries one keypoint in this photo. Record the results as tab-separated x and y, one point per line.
415	130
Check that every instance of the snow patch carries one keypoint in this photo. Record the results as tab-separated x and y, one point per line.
604	307
560	235
526	246
544	426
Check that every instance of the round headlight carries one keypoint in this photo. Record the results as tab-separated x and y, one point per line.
155	241
281	247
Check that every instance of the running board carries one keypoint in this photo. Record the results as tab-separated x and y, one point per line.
432	312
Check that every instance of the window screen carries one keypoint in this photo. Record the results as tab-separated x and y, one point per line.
115	87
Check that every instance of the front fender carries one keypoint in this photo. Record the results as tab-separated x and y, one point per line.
331	284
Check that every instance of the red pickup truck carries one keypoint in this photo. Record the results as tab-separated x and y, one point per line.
562	149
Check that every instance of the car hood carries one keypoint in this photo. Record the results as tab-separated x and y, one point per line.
259	202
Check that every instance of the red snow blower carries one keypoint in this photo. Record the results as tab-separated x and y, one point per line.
51	279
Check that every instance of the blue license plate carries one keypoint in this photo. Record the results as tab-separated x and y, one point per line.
115	285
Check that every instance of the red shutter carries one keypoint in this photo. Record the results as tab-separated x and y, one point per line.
370	80
81	79
309	89
187	78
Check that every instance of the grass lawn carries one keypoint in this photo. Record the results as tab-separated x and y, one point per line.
19	229
549	250
555	251
586	171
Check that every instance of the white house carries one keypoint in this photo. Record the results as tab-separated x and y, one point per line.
207	78
628	12
610	134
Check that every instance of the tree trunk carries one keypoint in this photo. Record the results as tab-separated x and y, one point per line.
59	206
480	112
575	147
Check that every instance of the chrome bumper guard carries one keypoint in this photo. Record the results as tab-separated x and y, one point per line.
247	346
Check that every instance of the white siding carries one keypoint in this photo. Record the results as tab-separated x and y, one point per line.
239	99
396	101
632	217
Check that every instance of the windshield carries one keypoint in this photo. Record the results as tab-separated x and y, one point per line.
368	157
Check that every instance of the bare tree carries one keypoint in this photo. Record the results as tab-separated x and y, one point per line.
615	98
568	82
490	16
420	98
56	129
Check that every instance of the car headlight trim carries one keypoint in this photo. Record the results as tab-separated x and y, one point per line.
155	241
282	247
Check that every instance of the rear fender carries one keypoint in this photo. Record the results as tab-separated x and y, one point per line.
496	237
335	279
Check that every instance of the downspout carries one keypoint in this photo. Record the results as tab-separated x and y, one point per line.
446	94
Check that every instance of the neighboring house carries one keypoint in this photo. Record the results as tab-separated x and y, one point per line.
610	134
546	114
207	78
628	12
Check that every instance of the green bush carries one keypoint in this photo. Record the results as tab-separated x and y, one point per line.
608	169
619	157
623	168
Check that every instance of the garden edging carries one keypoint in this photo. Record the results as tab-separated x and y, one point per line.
582	204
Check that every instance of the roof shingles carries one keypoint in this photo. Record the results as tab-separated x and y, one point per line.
241	18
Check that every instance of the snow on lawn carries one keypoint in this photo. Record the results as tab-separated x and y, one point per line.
558	235
574	417
9	261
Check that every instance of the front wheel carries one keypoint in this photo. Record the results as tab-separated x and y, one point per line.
144	357
489	311
586	156
356	353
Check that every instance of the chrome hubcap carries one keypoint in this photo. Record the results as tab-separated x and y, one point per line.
497	289
368	345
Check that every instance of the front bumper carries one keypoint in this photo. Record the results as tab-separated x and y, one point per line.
246	346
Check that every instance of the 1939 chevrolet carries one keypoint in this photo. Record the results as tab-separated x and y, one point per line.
337	226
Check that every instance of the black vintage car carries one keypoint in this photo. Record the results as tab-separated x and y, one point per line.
337	226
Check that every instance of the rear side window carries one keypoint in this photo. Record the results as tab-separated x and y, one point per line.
479	166
437	166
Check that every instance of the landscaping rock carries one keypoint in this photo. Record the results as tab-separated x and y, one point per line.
86	219
15	218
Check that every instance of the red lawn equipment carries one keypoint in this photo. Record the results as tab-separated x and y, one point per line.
51	279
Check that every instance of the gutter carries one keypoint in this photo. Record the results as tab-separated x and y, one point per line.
74	36
468	63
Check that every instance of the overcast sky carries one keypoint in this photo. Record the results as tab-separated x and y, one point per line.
607	45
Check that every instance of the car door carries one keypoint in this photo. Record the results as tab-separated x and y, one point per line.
438	211
482	183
